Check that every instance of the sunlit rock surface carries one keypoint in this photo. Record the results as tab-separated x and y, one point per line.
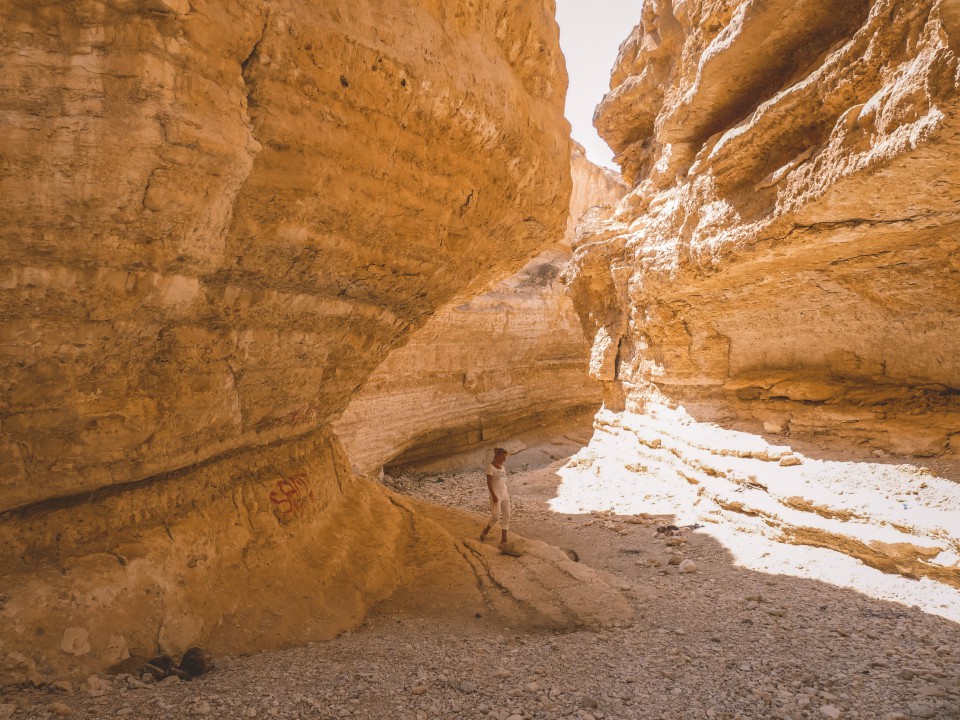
886	529
507	362
218	219
787	258
785	265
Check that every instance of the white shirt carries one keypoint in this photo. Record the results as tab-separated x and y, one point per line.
499	485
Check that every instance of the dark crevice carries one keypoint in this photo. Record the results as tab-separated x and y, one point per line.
247	68
616	360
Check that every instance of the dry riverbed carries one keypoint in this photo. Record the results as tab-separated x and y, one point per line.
719	642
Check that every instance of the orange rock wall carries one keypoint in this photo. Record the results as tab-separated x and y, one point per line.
219	217
787	257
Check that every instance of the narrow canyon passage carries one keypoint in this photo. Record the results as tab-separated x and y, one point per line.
276	278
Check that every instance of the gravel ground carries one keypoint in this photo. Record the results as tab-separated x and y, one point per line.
720	642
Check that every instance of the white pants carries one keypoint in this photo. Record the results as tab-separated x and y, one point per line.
500	512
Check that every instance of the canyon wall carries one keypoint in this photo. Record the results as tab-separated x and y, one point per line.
787	259
218	219
510	361
776	304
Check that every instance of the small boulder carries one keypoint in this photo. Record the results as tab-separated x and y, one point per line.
75	641
97	686
514	548
194	663
17	669
160	667
688	566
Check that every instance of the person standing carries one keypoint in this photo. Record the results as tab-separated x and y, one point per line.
499	497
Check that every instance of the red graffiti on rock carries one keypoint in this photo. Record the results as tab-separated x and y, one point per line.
291	494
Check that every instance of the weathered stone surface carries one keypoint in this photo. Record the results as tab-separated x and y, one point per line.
592	186
478	372
270	546
217	223
218	218
509	361
788	254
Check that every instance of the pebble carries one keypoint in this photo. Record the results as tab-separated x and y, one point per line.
831	712
922	710
59	708
688	566
97	686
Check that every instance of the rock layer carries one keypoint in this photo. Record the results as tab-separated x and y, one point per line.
786	264
510	361
270	546
218	218
218	221
787	257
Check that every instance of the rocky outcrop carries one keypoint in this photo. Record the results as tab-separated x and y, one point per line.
218	219
510	361
785	265
786	260
592	186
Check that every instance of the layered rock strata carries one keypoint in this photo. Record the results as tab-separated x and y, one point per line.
513	360
218	219
785	264
220	216
890	530
787	259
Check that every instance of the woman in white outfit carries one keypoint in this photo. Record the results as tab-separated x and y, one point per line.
499	497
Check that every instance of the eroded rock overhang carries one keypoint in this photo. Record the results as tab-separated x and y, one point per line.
218	219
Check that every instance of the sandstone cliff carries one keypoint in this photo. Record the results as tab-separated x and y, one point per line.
788	255
786	264
506	362
218	219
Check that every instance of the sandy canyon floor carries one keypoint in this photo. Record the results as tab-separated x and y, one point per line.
722	642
